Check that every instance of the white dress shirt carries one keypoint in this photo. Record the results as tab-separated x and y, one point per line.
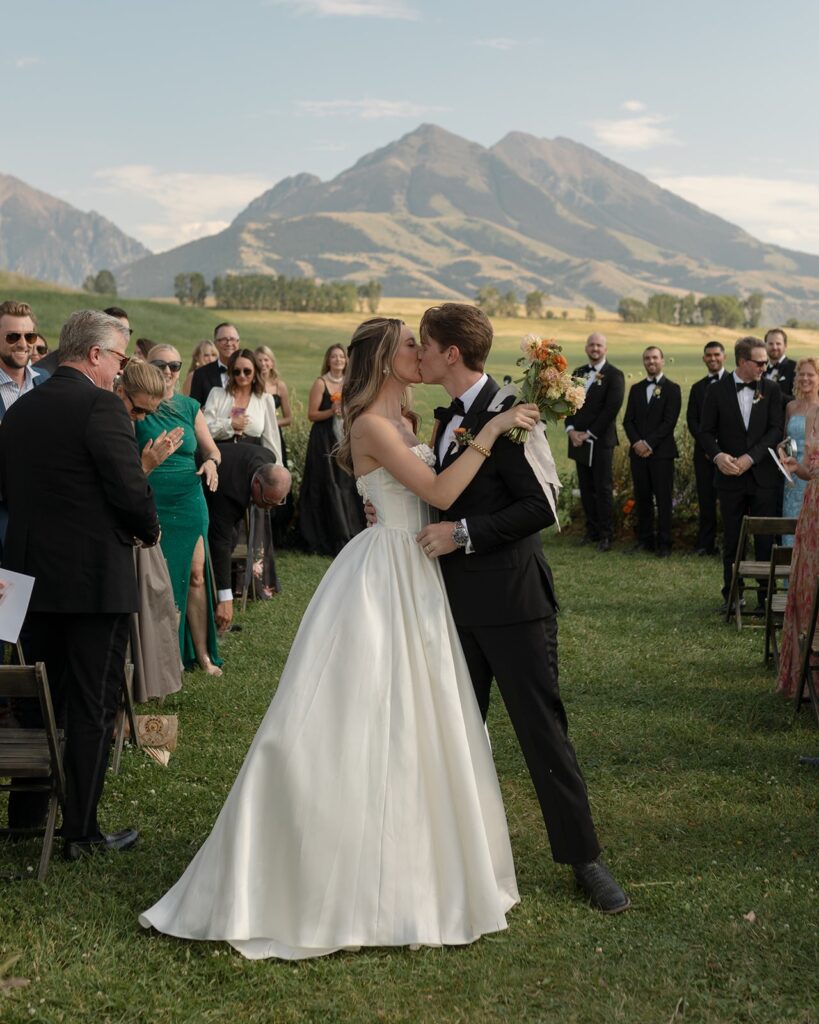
448	436
745	397
11	390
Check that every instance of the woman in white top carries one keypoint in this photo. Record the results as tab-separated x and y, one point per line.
242	412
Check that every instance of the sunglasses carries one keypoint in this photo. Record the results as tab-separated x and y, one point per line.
174	365
12	337
761	363
138	408
41	350
243	372
123	360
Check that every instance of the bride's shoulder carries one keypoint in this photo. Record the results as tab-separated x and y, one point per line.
370	423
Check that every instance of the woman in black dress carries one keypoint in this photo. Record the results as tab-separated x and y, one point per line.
330	510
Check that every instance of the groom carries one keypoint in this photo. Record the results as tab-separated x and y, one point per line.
501	591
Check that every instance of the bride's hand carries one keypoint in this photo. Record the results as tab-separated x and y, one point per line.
525	416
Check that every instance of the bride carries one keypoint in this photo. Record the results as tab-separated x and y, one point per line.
367	811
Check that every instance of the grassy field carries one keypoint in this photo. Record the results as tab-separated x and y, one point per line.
692	763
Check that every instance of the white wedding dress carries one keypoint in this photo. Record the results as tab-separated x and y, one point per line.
367	811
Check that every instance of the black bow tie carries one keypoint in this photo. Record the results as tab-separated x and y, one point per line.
445	413
588	369
653	380
751	385
712	377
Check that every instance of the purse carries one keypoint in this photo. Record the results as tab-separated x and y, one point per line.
157	735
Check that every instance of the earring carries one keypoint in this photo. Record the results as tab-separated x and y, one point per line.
386	372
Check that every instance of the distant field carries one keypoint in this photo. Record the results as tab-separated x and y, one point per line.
299	339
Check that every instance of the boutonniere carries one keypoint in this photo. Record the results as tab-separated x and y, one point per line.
758	396
598	377
462	436
657	391
773	374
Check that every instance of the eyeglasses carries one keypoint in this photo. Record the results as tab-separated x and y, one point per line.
221	341
174	365
41	350
243	372
123	359
137	409
12	337
264	502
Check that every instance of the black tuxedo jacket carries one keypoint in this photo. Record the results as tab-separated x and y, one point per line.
603	401
204	380
723	430
785	374
654	421
696	401
506	579
227	504
71	476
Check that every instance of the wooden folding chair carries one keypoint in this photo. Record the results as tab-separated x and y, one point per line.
809	661
33	753
125	714
744	568
775	602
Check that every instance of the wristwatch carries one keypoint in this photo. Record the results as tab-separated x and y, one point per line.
460	535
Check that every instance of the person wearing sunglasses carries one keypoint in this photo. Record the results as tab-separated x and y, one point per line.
18	338
742	417
242	411
177	486
39	350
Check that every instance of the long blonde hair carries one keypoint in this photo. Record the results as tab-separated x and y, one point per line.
266	350
370	357
814	362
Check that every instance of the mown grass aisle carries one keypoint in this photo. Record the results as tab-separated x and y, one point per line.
692	765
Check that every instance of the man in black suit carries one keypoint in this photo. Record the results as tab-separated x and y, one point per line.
501	591
71	474
652	411
214	375
714	359
742	417
595	422
780	369
247	473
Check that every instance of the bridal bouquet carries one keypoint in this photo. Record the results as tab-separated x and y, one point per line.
546	382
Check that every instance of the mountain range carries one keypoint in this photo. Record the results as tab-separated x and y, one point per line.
433	214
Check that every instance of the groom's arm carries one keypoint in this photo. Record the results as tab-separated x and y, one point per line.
528	511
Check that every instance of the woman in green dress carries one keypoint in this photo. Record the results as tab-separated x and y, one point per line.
183	513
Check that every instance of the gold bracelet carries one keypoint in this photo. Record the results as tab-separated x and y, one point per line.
479	448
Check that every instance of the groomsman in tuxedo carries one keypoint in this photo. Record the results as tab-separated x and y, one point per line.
214	375
714	359
501	592
595	422
780	369
742	418
652	412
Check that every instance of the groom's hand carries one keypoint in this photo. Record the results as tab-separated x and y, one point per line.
370	514
436	539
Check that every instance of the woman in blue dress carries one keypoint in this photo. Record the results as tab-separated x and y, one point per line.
806	399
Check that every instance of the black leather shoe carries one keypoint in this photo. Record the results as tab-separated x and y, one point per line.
603	892
604	545
125	839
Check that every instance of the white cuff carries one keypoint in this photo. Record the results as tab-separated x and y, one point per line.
224	595
469	550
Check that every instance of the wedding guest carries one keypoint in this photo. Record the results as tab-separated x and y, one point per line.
118	313
595	422
242	411
805	564
18	335
797	413
742	417
183	512
39	350
330	510
714	358
652	412
215	374
780	369
205	352
143	348
282	515
153	628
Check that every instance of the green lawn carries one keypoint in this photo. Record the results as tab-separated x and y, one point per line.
703	809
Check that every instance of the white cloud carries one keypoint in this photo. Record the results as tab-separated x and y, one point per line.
168	208
367	109
21	63
498	43
634	106
640	132
390	9
782	211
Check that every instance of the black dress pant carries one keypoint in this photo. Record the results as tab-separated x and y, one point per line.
84	657
734	504
522	658
653	481
596	494
706	501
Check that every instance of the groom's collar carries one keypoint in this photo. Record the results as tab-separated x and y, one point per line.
471	393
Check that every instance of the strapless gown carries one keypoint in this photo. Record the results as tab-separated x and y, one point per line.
367	811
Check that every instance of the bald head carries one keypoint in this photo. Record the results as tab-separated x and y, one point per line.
270	486
596	347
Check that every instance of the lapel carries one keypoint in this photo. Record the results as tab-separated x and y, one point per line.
729	384
759	410
485	396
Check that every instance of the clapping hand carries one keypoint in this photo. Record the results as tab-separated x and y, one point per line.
161	447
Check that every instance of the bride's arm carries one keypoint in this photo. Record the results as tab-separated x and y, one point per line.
374	436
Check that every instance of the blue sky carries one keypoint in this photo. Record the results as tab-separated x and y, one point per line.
168	117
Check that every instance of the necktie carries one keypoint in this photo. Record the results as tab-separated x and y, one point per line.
751	385
445	413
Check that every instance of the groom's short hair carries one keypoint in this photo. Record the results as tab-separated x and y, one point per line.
468	328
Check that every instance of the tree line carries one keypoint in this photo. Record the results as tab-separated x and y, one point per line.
278	292
496	303
686	310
